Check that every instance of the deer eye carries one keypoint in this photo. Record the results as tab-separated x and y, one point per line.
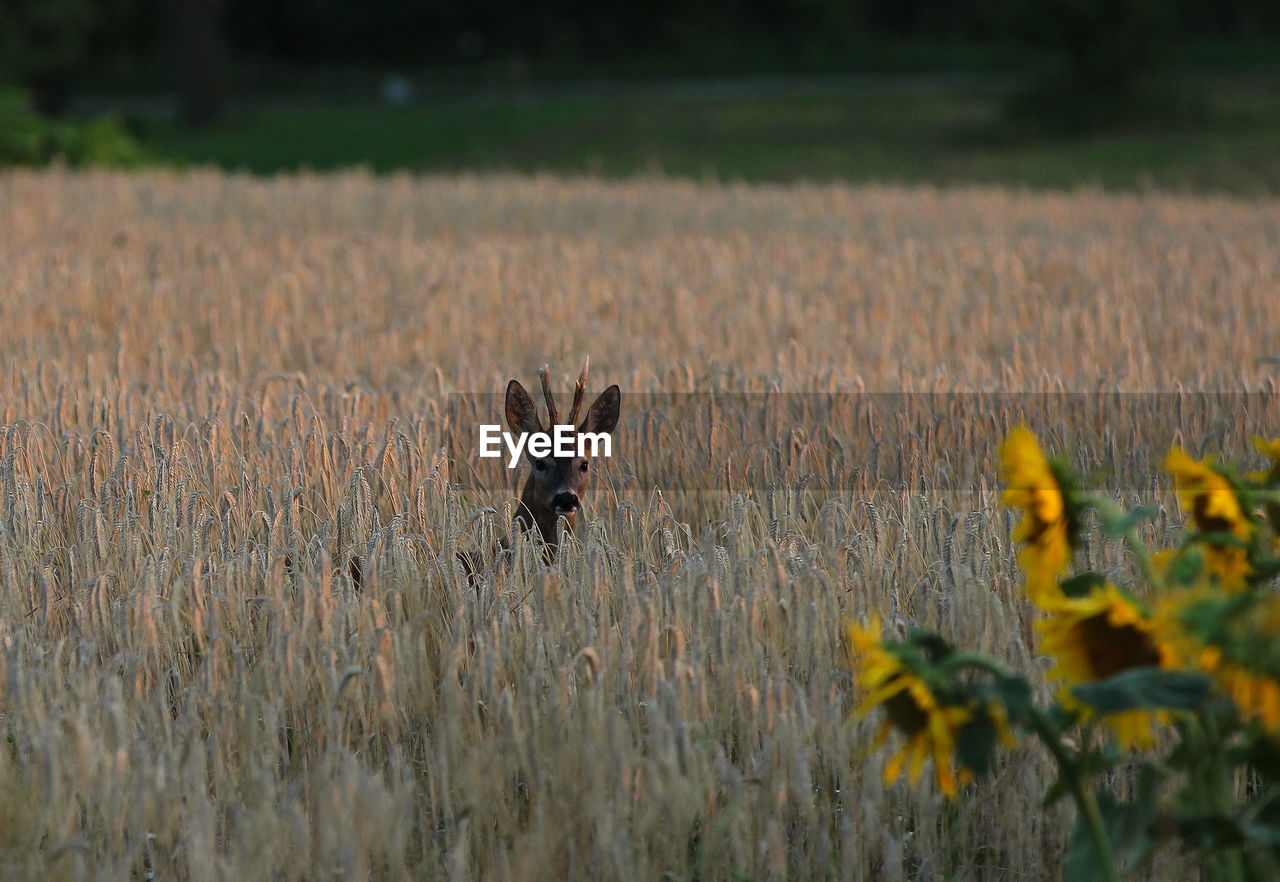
583	466
540	465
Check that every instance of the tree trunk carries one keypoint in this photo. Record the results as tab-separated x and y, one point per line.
50	92
197	48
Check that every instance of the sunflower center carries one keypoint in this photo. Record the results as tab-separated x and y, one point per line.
1110	649
1207	513
1046	506
905	714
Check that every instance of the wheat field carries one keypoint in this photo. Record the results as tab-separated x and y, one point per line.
219	391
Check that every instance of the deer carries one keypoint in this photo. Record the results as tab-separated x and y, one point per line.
556	486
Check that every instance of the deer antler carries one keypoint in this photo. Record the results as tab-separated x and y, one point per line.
552	414
577	392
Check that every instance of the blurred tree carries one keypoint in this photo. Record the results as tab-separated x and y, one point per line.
126	47
557	36
1095	57
197	46
41	44
1095	53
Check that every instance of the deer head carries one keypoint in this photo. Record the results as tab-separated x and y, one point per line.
557	485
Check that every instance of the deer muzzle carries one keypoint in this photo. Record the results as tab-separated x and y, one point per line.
565	504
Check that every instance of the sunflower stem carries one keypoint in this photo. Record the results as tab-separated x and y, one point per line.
1228	864
1084	799
1208	795
972	660
1109	509
1143	556
1273	792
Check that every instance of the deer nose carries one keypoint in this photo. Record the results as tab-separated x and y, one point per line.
565	503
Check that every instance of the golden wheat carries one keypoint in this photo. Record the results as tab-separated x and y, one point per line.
218	390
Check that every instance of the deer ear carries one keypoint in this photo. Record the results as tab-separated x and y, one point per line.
522	415
602	417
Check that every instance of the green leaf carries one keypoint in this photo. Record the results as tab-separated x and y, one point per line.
930	645
1273	509
1218	538
1185	568
1267	834
1057	790
1261	865
1264	570
976	743
1211	832
1130	828
1014	693
1128	825
1142	851
1145	688
1061	717
1082	585
1084	861
1120	523
1086	765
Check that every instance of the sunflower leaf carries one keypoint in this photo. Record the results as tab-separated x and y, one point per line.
1085	765
1218	539
1081	585
1143	849
1260	821
1185	567
1267	834
1145	688
1210	831
1273	509
1084	861
1266	569
976	743
1132	821
1119	523
1260	756
930	645
1015	693
1057	790
1260	864
1133	828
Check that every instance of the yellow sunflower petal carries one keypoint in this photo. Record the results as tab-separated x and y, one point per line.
1098	636
1207	495
893	768
1032	488
1269	449
919	753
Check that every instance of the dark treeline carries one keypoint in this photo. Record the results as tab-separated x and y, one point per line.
1083	48
681	36
122	38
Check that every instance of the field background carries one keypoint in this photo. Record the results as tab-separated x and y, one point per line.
218	389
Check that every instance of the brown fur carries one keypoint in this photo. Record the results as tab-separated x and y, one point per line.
556	486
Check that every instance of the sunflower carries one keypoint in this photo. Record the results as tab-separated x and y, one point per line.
1186	621
1256	696
1269	449
1215	508
1162	562
1210	496
911	707
1096	637
1047	523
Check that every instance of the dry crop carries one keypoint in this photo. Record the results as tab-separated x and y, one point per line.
217	391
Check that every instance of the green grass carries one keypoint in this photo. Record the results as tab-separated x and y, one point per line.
939	135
